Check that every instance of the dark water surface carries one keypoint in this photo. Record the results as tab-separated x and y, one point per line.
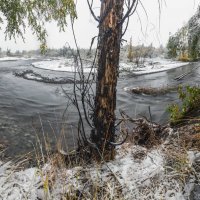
29	108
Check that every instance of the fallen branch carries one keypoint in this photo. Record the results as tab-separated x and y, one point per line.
145	132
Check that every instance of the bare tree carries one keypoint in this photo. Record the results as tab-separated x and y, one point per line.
99	106
111	22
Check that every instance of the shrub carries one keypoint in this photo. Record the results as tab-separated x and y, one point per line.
184	57
190	101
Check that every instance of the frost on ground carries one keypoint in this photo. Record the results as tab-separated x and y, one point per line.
13	58
18	185
62	64
164	172
153	65
150	66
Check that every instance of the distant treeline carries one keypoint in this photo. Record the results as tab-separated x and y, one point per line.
128	52
50	52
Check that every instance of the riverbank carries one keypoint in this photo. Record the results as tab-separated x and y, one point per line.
164	171
169	170
153	65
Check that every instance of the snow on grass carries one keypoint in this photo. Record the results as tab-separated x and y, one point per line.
135	173
64	65
13	58
17	185
131	170
31	76
152	66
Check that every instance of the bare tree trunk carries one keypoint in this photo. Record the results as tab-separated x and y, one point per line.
110	33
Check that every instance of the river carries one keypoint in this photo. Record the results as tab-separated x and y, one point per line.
29	108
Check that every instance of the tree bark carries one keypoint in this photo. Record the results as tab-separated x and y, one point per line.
110	33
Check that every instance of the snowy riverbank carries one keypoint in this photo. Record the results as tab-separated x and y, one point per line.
62	64
167	171
13	58
154	65
150	66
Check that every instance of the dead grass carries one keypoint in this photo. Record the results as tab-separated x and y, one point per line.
70	176
146	133
71	171
189	136
184	139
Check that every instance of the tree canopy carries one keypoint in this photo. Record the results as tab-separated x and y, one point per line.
17	15
186	41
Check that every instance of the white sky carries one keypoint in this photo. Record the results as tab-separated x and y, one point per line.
174	14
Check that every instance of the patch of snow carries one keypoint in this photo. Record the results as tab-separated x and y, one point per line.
134	173
32	77
191	157
152	66
126	89
64	65
13	58
140	173
18	185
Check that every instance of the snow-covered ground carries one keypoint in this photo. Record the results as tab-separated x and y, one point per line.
150	66
61	64
31	76
29	183
13	58
136	173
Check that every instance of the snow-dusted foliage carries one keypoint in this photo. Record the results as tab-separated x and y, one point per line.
194	35
185	43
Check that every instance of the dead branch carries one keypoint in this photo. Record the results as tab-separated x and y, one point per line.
144	132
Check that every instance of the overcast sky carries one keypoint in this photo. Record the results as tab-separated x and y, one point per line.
174	14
